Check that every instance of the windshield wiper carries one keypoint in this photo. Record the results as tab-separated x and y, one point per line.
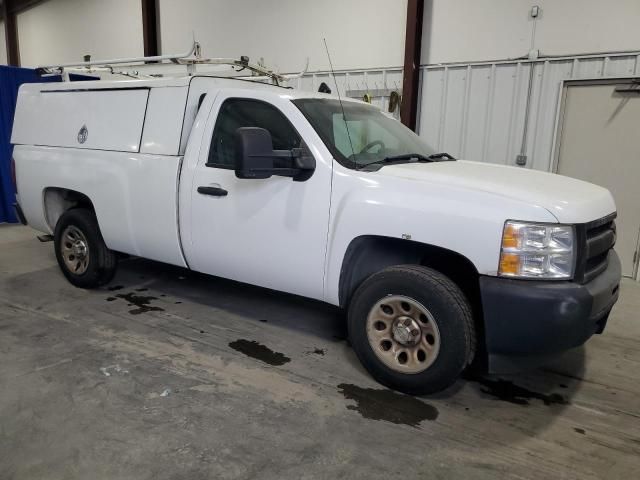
406	156
440	156
419	157
434	157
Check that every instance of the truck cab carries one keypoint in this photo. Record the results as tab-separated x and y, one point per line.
438	262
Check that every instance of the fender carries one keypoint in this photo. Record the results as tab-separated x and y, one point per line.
460	220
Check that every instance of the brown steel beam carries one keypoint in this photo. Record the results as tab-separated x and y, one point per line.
11	33
8	12
411	75
150	28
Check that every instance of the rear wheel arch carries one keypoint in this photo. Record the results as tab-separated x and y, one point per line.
57	201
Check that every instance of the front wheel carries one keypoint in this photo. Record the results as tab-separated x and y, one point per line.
412	329
81	252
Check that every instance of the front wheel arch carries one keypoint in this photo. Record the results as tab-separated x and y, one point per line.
368	254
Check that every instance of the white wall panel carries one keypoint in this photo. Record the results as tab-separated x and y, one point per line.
59	31
3	46
360	33
477	111
472	30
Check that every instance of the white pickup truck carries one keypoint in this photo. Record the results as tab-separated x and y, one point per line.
437	261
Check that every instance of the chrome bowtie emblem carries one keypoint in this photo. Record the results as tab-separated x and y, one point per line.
83	134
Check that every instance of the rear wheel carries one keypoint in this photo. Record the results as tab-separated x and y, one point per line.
412	329
81	252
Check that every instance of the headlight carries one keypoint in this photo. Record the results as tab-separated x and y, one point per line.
537	250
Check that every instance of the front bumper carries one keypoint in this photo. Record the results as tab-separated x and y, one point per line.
529	322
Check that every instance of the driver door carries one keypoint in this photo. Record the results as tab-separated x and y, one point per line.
269	232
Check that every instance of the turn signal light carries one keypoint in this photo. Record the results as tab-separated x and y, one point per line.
509	263
510	236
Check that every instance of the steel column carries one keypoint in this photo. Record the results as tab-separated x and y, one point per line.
11	34
150	28
411	74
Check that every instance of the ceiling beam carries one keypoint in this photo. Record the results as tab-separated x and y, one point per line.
411	72
150	28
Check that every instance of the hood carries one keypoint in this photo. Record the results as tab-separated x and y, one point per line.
568	199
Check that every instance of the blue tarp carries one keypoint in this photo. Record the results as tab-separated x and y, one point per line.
10	80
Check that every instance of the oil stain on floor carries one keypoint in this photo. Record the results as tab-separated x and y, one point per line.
507	391
260	352
143	303
388	405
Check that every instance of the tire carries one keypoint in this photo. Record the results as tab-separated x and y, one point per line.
77	231
418	311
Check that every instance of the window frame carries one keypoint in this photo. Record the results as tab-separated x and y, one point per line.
249	99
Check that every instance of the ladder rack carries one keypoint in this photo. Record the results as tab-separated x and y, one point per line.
190	59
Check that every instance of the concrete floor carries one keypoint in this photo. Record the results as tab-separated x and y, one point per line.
166	374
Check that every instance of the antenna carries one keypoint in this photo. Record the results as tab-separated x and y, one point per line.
344	117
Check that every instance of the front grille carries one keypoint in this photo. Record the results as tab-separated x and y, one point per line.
594	241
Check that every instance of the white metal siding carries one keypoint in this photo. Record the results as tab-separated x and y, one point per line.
374	79
477	111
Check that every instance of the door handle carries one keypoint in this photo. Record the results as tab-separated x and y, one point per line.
213	191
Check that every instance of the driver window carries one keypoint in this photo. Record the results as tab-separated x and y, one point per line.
241	112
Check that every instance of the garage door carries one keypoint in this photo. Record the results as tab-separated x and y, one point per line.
600	142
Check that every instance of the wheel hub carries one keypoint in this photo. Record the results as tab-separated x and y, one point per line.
406	331
79	249
74	249
403	334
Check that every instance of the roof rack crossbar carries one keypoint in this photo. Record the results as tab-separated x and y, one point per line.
190	59
121	61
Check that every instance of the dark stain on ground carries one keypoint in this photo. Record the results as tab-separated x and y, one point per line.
562	385
263	320
507	391
115	287
260	352
177	303
111	299
581	431
141	289
142	302
388	405
317	351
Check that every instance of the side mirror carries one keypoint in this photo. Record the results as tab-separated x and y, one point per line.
254	153
255	157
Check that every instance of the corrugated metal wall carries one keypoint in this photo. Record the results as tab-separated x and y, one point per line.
388	79
477	111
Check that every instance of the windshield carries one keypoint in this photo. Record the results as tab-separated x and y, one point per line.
368	136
